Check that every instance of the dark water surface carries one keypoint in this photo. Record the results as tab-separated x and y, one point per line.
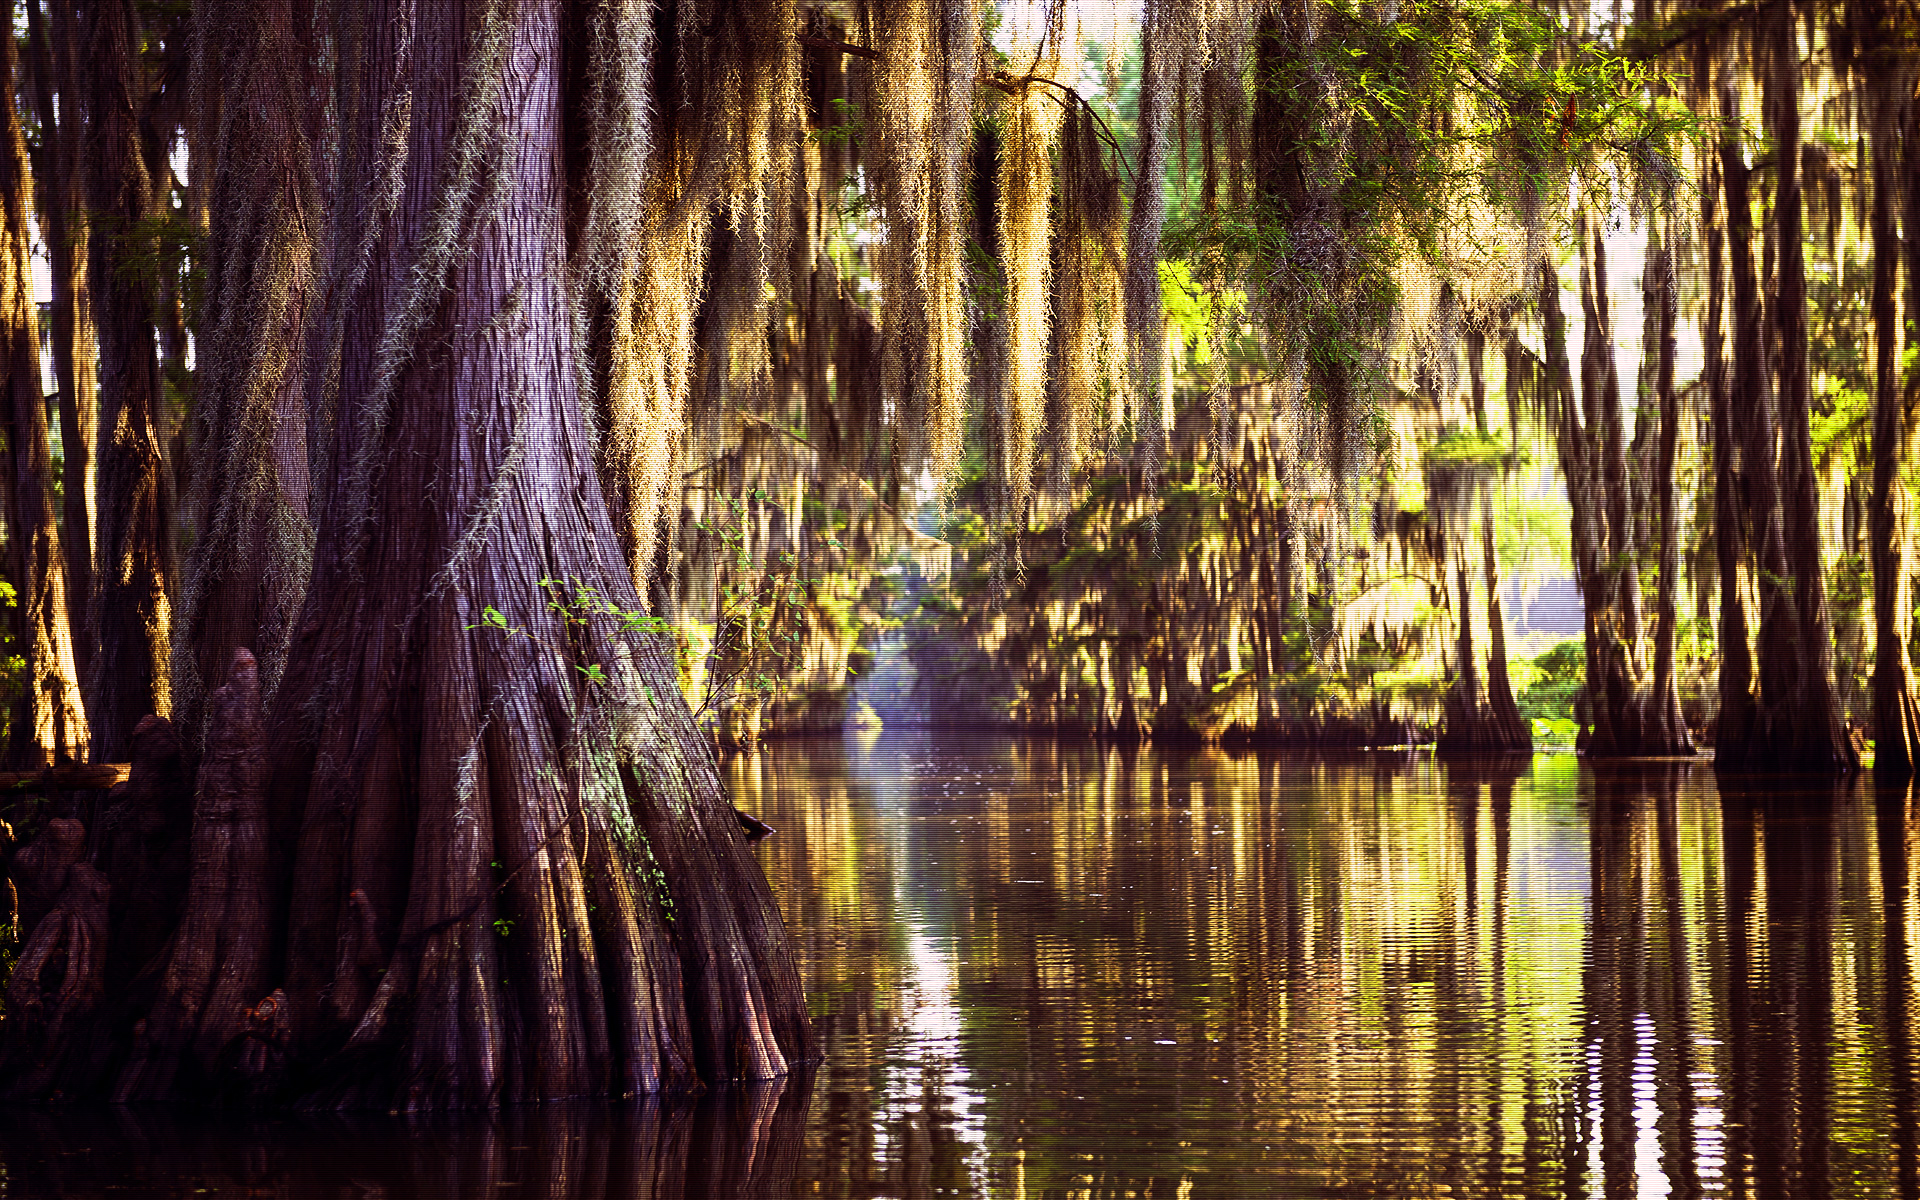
1044	971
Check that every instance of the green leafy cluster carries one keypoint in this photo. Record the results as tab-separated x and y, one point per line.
1550	700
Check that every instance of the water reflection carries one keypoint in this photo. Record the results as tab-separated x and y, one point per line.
1044	971
1056	971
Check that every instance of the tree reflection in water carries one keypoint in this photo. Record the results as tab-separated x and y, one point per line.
1194	974
1072	972
745	1143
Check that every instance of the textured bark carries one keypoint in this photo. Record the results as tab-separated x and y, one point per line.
1730	535
253	544
144	849
53	41
489	861
1819	736
1630	713
1606	554
128	612
219	962
1664	730
46	725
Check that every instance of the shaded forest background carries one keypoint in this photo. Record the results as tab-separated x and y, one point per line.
1226	388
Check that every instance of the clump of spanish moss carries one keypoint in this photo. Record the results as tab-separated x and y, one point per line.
1025	196
1089	328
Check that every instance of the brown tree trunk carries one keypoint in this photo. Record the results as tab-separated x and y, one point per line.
1462	724
1791	720
51	1040
128	615
1734	722
253	541
53	42
46	725
1896	716
1593	460
218	965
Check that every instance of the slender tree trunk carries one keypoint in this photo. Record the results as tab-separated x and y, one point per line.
1506	729
1461	727
128	614
1896	716
1810	706
1665	729
64	227
46	725
1606	566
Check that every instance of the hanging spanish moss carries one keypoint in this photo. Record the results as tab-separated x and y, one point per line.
700	143
1089	330
1160	59
921	115
1025	195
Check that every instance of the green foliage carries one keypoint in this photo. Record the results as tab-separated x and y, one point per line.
1459	447
1558	677
13	665
840	126
757	637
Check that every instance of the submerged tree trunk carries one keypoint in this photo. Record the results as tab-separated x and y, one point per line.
46	725
128	612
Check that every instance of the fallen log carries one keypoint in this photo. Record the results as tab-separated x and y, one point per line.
73	777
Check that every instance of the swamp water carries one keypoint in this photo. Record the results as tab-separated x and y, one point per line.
1048	971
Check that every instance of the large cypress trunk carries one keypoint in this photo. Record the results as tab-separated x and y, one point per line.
46	725
128	613
1819	735
475	851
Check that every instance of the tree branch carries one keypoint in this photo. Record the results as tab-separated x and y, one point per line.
998	80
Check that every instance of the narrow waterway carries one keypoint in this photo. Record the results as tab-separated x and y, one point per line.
1047	971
